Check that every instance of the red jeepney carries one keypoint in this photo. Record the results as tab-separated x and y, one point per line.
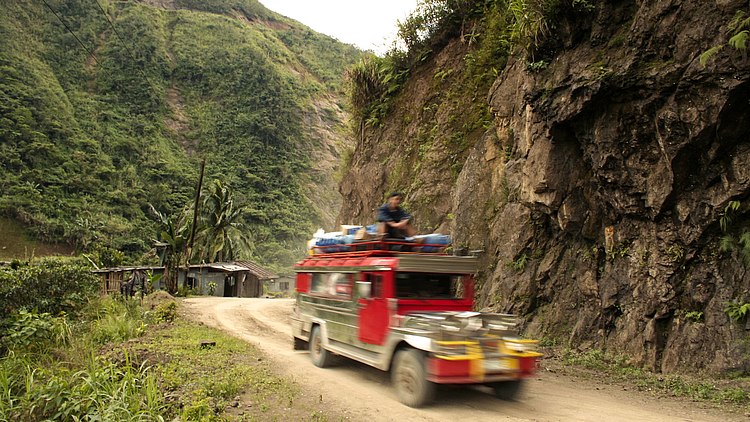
410	313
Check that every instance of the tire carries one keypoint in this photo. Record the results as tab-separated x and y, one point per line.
507	390
319	355
409	378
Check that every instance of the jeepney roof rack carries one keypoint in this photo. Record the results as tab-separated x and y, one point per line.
386	247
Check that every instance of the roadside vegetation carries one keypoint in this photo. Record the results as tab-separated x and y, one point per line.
75	356
730	393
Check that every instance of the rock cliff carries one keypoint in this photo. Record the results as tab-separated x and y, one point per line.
597	188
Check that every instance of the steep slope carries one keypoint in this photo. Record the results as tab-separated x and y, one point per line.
602	189
88	141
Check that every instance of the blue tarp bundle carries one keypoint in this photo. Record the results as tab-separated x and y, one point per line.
339	242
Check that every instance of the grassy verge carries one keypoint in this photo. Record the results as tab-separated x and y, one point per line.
728	393
119	361
210	376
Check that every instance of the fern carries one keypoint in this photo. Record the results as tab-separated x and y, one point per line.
725	217
737	26
727	243
739	41
706	56
737	22
745	251
735	311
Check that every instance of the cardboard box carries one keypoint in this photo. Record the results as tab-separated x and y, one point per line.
345	230
362	234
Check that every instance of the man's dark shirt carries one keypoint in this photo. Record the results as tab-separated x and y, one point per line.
386	214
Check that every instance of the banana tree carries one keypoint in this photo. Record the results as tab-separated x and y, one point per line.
171	246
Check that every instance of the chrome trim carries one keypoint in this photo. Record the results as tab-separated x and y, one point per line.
327	307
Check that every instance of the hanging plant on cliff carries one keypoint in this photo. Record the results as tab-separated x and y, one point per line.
739	28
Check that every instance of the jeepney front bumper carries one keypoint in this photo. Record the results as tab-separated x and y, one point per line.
471	347
482	360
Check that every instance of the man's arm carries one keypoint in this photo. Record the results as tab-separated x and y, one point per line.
383	215
403	219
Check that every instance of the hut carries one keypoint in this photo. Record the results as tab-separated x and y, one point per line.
223	279
118	279
284	285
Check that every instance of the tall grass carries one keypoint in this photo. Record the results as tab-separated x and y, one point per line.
101	391
50	370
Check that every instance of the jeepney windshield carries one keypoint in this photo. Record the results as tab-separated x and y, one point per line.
428	286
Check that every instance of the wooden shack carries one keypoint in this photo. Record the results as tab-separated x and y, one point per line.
223	279
113	278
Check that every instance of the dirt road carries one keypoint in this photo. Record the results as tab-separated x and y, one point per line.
363	393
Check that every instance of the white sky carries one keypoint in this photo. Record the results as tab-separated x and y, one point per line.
368	24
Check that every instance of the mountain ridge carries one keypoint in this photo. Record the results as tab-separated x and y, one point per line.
179	86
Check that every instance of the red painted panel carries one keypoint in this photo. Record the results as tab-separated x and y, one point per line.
425	305
447	368
303	282
469	287
528	364
374	315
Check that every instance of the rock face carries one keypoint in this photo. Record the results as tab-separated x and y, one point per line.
596	193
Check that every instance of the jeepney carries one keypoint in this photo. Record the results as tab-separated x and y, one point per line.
409	313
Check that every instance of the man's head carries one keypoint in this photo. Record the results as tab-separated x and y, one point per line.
395	199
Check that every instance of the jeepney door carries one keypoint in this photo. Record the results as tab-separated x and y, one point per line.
373	310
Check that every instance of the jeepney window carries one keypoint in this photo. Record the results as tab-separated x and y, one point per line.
428	286
376	283
337	285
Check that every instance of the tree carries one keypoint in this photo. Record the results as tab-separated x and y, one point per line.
222	236
172	246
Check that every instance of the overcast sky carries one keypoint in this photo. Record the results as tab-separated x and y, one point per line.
368	24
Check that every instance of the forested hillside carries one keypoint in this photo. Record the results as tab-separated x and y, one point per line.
107	107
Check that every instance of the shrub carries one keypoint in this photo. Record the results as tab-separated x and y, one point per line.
52	286
32	331
165	312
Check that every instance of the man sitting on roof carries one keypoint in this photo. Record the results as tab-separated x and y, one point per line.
393	221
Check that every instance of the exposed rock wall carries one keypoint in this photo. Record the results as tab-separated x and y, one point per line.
596	195
419	149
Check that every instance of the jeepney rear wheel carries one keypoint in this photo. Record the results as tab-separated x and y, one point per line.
319	355
507	390
409	378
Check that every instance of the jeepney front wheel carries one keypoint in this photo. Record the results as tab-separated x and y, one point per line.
507	390
320	356
409	378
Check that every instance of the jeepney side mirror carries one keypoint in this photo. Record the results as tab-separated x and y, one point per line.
364	288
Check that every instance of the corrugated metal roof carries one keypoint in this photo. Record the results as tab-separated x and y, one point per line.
226	267
233	266
256	269
124	268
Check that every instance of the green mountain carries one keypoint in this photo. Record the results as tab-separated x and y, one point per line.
108	106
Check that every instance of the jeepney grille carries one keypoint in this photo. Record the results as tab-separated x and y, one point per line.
462	326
